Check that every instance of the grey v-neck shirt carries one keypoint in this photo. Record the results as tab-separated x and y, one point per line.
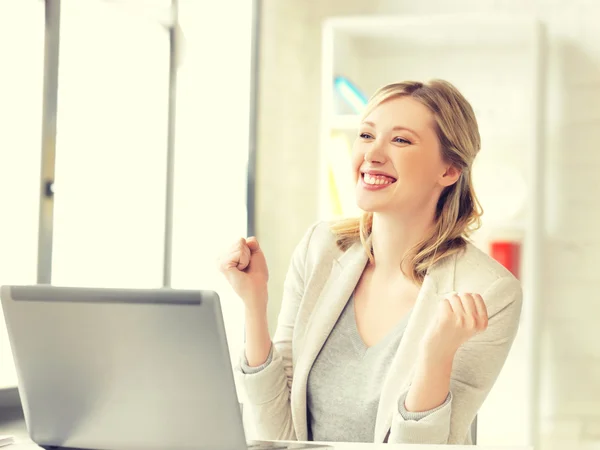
344	384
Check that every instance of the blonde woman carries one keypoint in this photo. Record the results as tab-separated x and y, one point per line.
393	327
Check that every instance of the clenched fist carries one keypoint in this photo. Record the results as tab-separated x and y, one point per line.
458	319
245	268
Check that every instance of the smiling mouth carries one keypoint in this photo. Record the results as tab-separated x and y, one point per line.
377	180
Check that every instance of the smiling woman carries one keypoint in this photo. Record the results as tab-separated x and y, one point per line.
410	324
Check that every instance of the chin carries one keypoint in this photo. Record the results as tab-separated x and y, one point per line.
367	206
370	205
371	210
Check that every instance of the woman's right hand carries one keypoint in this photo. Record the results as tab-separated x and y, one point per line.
245	268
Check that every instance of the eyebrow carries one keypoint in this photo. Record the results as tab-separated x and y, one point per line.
396	128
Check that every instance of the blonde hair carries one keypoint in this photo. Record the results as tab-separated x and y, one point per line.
458	211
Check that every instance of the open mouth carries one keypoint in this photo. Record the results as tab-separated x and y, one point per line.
377	180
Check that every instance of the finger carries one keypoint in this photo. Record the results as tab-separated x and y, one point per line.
456	304
482	312
234	256
229	261
252	244
232	259
446	309
245	257
468	304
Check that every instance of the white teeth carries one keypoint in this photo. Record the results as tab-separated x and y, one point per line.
376	179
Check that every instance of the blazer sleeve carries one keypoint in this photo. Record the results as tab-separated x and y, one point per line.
476	367
267	391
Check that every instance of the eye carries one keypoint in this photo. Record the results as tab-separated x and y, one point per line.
400	140
365	135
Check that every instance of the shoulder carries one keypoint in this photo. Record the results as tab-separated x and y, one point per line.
478	272
320	243
319	248
472	259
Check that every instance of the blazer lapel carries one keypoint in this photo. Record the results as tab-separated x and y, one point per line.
438	283
345	273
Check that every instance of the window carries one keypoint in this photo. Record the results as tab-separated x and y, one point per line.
21	85
111	146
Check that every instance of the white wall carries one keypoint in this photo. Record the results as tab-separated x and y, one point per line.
288	163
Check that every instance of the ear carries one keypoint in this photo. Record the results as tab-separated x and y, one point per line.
450	176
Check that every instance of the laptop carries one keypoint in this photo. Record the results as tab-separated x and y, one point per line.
125	369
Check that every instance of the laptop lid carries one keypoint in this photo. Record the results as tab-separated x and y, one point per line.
123	368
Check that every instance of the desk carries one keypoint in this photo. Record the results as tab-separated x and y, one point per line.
345	446
17	429
9	397
351	446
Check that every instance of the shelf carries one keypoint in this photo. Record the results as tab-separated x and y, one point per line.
443	30
498	62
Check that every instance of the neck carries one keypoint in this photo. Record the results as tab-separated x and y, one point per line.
393	236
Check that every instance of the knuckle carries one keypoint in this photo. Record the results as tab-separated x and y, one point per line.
445	310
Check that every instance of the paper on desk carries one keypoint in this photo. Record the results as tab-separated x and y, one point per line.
6	440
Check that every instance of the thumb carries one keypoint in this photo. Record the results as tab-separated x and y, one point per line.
253	245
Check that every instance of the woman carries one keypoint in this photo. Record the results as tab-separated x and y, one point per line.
393	327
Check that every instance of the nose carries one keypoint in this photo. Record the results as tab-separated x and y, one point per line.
375	154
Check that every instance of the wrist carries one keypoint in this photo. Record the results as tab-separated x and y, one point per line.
436	359
256	314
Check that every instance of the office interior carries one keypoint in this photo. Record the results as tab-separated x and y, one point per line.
139	138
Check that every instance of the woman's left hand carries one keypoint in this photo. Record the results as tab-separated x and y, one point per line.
458	319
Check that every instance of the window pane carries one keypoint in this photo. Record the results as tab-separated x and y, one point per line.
21	84
111	147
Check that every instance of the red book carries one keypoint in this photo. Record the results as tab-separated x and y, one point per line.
506	253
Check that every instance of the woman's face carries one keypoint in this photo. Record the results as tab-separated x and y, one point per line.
397	161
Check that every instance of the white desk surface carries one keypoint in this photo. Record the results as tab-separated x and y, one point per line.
18	430
347	446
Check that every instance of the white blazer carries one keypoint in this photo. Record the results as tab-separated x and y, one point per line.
318	284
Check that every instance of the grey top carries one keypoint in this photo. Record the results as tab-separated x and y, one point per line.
346	411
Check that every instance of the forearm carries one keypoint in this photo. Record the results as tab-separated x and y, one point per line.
258	340
430	385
